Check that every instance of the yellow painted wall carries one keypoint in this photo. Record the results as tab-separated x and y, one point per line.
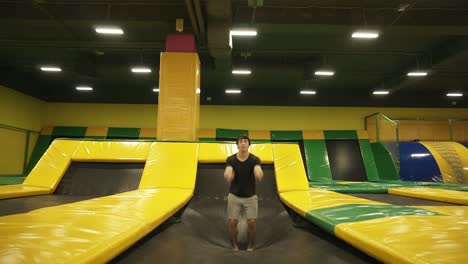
242	117
21	111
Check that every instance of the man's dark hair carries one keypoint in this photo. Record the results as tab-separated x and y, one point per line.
242	137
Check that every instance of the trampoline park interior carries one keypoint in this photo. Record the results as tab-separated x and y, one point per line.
116	119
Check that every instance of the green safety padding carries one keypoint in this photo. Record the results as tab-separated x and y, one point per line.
42	144
397	182
340	134
69	131
286	135
95	137
318	166
351	188
148	138
368	159
9	180
328	218
224	134
384	162
122	132
206	139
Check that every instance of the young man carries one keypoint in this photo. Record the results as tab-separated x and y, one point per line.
242	170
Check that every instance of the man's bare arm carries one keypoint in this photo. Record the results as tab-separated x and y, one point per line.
229	174
258	172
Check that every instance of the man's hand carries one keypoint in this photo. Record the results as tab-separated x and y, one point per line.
258	172
229	174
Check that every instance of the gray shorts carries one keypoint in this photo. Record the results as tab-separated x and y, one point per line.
237	204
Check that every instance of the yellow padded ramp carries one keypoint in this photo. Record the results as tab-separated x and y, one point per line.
111	151
19	190
441	151
303	201
409	239
289	169
171	165
460	211
218	152
442	195
92	231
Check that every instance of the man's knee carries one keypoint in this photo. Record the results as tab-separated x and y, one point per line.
233	223
251	223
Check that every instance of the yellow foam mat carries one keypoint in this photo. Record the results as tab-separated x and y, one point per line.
447	160
409	239
303	201
459	211
289	169
219	152
442	195
112	151
171	165
19	190
92	231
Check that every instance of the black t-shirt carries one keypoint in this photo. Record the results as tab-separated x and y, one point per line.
243	184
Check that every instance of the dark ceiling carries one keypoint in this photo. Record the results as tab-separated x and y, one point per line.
294	39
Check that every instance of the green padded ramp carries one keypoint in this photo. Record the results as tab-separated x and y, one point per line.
68	131
329	217
282	135
318	167
340	134
122	132
8	180
42	143
224	134
351	188
368	159
384	162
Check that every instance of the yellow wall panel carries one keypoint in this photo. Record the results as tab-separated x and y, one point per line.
12	148
313	134
148	132
96	131
207	133
259	134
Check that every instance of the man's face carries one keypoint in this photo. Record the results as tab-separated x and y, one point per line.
243	144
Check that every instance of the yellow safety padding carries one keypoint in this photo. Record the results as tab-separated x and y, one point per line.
112	151
362	134
289	169
91	231
446	170
207	133
96	131
148	133
313	134
409	239
462	152
442	195
20	190
461	211
263	151
303	201
259	134
171	165
215	152
53	164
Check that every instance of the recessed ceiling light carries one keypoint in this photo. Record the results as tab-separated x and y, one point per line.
84	88
141	70
419	155
454	94
365	34
307	92
198	91
50	69
233	91
417	74
324	73
243	32
241	71
109	30
381	92
156	90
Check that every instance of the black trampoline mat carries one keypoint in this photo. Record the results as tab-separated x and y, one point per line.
346	163
82	181
202	235
400	200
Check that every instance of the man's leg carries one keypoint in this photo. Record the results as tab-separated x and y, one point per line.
233	233
252	224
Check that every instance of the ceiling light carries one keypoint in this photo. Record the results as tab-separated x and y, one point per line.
307	92
417	74
454	94
109	30
84	88
365	35
380	92
50	69
419	155
156	90
233	91
241	71
243	32
325	73
198	91
141	70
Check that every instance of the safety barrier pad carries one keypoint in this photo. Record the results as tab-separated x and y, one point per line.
433	194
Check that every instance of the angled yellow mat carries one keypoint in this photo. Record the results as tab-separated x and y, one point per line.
442	195
409	239
112	151
19	190
289	168
459	211
218	152
92	231
303	201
